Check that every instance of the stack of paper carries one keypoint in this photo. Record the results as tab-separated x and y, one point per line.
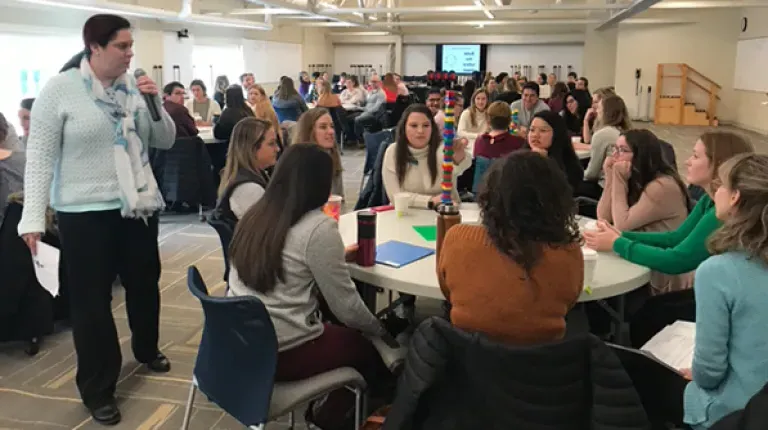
674	345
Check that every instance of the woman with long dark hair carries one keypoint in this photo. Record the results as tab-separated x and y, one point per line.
643	192
413	163
87	156
549	137
577	102
287	252
236	109
527	268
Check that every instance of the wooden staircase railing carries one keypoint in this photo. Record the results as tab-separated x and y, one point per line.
673	105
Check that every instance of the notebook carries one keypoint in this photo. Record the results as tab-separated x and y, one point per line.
398	254
427	232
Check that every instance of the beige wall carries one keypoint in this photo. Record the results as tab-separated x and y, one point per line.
709	46
317	47
750	112
599	64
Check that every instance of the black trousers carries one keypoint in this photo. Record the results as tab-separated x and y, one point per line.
99	246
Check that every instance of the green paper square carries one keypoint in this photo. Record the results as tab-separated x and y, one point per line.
427	232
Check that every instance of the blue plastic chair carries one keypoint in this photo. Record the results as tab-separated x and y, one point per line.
481	166
237	358
225	232
287	114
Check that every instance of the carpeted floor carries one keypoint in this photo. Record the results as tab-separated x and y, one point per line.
39	393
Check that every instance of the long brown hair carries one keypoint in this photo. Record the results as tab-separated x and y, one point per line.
286	89
720	146
648	164
304	131
615	114
402	148
747	229
301	183
389	83
473	112
247	138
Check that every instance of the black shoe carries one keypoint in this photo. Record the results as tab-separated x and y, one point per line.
33	347
160	364
107	415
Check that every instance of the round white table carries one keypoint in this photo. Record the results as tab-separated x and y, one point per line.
583	154
206	133
613	275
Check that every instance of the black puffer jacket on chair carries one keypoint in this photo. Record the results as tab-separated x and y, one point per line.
454	380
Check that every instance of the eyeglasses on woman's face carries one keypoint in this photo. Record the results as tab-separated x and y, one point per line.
619	149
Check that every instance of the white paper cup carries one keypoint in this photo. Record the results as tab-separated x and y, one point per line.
575	139
590	265
401	203
590	226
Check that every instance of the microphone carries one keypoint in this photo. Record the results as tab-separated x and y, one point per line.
149	99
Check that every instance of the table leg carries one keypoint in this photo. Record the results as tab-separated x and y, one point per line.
620	326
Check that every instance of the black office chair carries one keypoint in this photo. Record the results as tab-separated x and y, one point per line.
339	117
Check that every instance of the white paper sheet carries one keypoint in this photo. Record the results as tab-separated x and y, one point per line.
674	345
46	264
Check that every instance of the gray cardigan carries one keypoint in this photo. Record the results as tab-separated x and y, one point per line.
313	260
599	148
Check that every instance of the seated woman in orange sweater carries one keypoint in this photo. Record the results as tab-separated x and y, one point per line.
516	276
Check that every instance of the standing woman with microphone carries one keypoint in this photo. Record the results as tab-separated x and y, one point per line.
87	157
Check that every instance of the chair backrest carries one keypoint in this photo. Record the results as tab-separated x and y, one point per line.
225	231
237	357
481	166
372	143
287	114
338	116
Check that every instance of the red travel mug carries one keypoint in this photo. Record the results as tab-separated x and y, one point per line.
366	238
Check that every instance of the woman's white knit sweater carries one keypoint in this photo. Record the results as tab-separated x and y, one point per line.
71	154
467	130
418	182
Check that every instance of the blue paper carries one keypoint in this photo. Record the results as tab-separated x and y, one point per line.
398	254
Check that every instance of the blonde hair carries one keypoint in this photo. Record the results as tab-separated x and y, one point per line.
304	132
747	229
247	138
263	109
326	97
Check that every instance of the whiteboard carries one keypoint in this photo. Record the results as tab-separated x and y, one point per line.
282	59
751	72
417	59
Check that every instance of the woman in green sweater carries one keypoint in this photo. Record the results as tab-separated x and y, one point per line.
682	250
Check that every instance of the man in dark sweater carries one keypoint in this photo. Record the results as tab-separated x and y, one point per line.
174	105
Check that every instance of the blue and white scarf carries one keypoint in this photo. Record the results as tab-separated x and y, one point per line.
139	194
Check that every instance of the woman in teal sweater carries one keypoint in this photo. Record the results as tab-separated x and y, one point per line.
682	250
730	362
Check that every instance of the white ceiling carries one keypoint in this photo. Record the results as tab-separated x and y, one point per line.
407	16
